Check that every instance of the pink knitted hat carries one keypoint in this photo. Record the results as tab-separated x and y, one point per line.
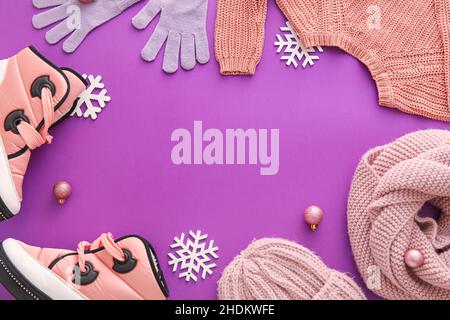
390	186
277	269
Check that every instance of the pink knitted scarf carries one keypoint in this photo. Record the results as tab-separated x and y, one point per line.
390	186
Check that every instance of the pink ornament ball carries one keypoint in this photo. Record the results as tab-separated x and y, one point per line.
414	258
313	216
62	191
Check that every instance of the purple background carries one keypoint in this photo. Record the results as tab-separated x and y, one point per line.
120	166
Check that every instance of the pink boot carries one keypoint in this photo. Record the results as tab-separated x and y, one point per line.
35	95
124	269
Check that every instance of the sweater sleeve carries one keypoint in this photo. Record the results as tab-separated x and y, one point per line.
239	35
317	22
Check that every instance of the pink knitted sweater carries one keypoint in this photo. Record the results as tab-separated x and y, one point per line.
404	44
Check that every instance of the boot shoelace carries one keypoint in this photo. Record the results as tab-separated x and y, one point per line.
105	240
33	139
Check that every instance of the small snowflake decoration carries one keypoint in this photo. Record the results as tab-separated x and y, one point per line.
93	99
293	50
193	255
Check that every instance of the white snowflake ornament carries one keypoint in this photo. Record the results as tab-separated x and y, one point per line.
93	100
193	255
293	50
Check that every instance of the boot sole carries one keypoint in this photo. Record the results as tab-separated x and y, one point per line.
15	283
9	199
27	279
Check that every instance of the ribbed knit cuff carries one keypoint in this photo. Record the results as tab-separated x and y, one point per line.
124	4
237	66
344	42
385	92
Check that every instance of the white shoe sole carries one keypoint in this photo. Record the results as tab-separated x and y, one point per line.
9	198
26	278
3	66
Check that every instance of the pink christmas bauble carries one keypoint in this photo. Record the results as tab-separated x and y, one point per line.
414	258
62	191
313	216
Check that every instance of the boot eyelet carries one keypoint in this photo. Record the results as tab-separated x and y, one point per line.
13	120
125	266
84	278
41	83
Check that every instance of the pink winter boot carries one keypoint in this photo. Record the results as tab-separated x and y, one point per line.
35	95
124	269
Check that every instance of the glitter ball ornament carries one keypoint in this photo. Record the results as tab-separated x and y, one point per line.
62	191
414	258
313	216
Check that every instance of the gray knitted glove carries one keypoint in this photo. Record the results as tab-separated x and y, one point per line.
78	19
183	25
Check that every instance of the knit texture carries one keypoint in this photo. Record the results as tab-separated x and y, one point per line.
406	51
390	186
277	269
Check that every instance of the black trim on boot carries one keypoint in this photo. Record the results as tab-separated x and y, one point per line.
5	213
